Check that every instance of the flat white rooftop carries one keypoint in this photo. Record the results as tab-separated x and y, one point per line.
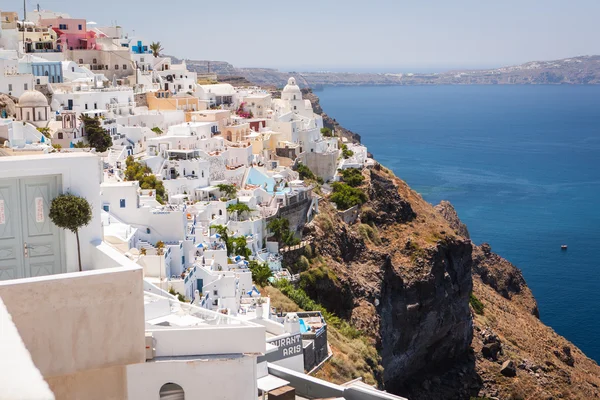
164	313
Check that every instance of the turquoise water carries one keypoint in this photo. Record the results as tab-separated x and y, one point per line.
303	327
255	177
521	164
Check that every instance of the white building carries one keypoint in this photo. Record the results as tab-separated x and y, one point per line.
14	82
82	97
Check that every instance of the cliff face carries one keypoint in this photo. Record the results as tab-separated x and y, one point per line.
404	274
425	323
446	210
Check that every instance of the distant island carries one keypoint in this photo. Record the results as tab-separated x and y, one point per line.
583	70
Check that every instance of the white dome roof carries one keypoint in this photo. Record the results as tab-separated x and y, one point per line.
291	86
33	98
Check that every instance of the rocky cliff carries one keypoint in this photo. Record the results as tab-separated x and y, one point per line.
449	319
402	275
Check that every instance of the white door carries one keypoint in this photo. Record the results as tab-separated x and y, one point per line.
30	243
11	246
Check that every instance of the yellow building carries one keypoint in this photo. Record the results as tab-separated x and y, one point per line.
164	100
237	133
39	39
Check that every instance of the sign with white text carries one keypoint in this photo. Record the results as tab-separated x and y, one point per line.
287	347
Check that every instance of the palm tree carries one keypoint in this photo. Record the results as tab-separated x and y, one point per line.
229	190
156	48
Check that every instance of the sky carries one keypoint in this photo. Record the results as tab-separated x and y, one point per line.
378	35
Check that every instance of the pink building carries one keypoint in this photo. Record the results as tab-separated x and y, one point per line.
72	33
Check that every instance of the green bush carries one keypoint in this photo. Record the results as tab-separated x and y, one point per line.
136	171
476	304
345	196
353	177
324	222
326	132
303	264
280	227
312	276
96	134
369	233
308	252
305	172
260	273
345	152
367	215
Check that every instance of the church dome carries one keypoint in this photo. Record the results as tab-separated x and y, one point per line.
291	86
33	98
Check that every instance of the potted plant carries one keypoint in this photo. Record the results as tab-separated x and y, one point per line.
71	212
259	307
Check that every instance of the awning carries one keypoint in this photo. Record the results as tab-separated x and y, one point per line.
270	382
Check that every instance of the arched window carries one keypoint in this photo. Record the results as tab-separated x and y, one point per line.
220	212
171	391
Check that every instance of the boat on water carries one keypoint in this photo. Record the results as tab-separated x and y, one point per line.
563	247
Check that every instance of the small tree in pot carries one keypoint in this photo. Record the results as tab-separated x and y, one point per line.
71	212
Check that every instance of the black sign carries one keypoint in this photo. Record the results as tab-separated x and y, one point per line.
287	347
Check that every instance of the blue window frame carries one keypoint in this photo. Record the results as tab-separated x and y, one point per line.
106	207
122	203
80	27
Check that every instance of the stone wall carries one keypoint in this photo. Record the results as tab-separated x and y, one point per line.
324	165
141	100
350	215
296	214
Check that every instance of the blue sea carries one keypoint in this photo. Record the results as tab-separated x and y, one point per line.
521	164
